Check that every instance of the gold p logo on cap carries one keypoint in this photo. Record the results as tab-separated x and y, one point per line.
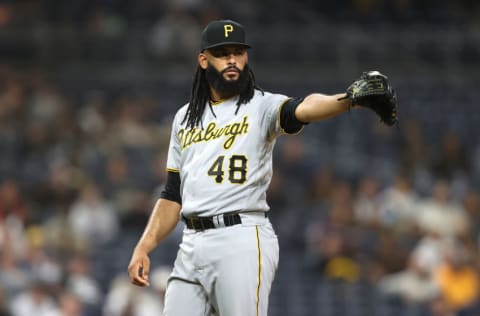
222	32
228	29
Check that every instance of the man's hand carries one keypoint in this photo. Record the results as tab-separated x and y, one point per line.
162	221
139	268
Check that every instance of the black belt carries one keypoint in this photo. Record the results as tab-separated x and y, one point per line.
202	223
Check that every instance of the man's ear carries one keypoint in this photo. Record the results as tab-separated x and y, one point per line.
202	60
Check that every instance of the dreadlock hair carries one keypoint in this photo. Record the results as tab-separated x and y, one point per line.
200	96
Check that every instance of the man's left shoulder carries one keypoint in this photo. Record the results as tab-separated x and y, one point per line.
269	97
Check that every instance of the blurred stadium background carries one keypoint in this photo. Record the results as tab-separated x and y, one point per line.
371	220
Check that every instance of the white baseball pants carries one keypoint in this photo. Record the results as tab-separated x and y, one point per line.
224	271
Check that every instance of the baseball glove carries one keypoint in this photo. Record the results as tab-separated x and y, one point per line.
373	91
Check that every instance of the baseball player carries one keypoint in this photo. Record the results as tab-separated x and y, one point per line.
219	167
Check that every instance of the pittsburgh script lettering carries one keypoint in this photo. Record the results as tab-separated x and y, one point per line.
196	135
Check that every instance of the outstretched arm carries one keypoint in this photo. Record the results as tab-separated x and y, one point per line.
316	107
372	90
162	221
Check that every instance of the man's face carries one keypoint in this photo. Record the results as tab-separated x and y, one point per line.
228	60
226	69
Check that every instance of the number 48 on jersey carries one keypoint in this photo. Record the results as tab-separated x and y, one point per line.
237	169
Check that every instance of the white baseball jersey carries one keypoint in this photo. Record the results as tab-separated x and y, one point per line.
227	165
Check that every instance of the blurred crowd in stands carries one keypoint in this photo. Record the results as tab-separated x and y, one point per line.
69	184
53	32
396	210
145	12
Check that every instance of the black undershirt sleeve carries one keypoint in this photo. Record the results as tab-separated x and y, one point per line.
172	188
288	121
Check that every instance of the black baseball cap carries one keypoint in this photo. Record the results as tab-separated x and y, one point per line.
223	32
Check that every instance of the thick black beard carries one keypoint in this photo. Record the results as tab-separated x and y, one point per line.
225	88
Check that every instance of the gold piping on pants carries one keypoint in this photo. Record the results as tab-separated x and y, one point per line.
259	269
